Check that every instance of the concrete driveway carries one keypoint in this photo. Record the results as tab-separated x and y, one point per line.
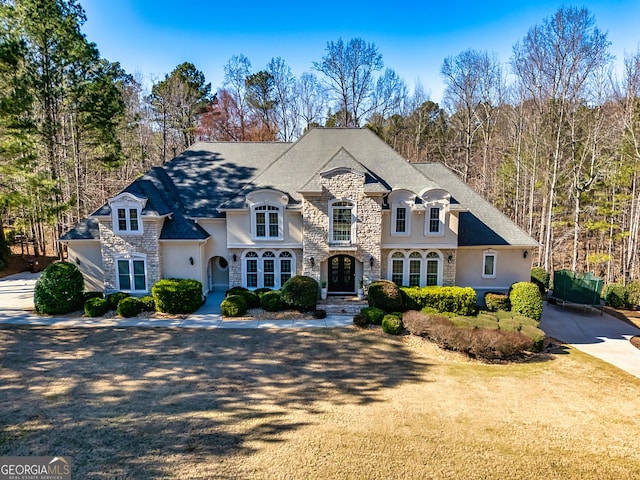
601	336
16	291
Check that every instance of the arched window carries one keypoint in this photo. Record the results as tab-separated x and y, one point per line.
434	262
415	269
286	267
397	268
251	269
342	222
267	268
266	222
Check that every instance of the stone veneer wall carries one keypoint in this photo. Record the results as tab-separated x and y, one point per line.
342	185
113	245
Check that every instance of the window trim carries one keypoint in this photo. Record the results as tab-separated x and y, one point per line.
130	259
394	219
486	254
406	265
353	208
266	208
427	220
260	270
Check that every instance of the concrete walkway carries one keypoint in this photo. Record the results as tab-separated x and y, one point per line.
602	336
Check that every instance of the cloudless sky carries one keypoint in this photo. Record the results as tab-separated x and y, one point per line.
152	37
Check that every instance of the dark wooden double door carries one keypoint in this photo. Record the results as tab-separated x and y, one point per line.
342	274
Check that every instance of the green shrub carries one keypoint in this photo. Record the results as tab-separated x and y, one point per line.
148	304
129	307
359	320
261	291
89	295
541	278
385	295
496	301
373	315
271	301
236	291
536	335
59	289
525	298
252	298
616	296
113	299
392	325
633	289
177	295
300	292
5	252
233	306
460	300
480	321
95	307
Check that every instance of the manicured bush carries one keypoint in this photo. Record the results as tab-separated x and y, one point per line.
392	325
261	291
88	295
235	291
496	301
373	315
536	335
525	299
59	289
113	299
251	297
359	320
301	293
95	307
496	344
177	295
385	295
271	301
616	296
233	306
319	314
460	300
541	278
633	289
129	307
148	304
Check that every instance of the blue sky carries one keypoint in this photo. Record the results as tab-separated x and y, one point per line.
153	36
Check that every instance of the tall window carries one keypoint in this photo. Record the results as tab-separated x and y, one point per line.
401	220
489	264
251	269
267	221
267	269
397	268
341	222
434	220
433	268
127	220
415	268
132	275
286	267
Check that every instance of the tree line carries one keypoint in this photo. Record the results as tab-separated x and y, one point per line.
551	137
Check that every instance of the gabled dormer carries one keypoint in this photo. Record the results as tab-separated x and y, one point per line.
126	214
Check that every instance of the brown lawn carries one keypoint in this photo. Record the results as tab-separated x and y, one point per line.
308	404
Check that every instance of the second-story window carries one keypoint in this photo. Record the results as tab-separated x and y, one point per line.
341	218
267	222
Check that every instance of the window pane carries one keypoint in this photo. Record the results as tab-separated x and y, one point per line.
124	279
133	219
397	268
489	261
122	219
434	220
432	272
260	225
285	269
273	224
414	272
139	279
401	220
341	224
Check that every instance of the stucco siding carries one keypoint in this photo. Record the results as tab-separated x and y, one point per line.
88	257
417	235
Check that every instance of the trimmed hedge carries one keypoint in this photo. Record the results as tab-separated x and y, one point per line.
385	294
148	304
89	295
460	300
129	307
233	306
252	298
177	295
271	301
359	320
60	289
301	293
616	296
373	315
526	299
497	301
541	278
392	325
261	291
113	299
95	307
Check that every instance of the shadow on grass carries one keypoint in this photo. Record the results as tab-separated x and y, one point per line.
121	402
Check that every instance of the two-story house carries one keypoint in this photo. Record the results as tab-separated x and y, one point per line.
338	205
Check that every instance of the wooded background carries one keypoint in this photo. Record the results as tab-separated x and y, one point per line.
551	137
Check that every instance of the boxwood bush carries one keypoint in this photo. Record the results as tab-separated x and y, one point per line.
541	278
392	325
129	307
616	295
60	289
459	300
373	315
497	301
251	297
385	294
148	304
95	307
113	299
233	306
271	301
301	293
177	295
88	295
525	298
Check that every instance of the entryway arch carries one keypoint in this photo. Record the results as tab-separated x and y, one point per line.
218	274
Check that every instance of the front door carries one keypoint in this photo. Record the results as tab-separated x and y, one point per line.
342	274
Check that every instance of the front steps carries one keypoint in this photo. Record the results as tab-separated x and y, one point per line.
342	305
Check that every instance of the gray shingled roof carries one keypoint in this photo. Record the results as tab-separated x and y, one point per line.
482	223
88	229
